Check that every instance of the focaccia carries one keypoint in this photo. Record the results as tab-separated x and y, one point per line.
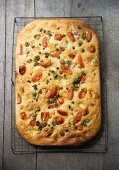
57	82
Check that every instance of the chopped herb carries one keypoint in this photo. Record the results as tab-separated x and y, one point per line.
62	61
73	48
84	35
75	33
52	71
34	94
92	104
60	88
28	81
34	116
80	43
49	33
55	76
33	46
46	55
37	58
40	91
37	110
27	44
62	48
67	88
29	61
35	87
83	50
58	57
37	36
28	52
85	121
41	30
72	102
44	31
53	123
61	72
36	64
62	133
22	90
69	107
57	68
69	62
47	81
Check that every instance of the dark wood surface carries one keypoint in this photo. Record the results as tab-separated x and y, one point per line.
108	9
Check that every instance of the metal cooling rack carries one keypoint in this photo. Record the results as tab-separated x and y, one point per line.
97	144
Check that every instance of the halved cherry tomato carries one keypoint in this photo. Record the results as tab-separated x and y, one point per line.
32	122
77	119
92	49
47	64
21	49
82	78
45	116
56	53
61	112
61	100
54	91
51	93
22	69
19	99
71	54
23	115
84	112
58	37
82	93
80	127
59	120
70	94
80	61
45	42
66	69
37	77
54	105
89	36
71	36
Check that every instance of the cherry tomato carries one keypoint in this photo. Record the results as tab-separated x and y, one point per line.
80	127
32	122
71	54
82	78
82	93
59	120
89	36
37	77
23	115
66	69
45	116
46	64
19	99
61	112
80	61
53	91
54	105
45	42
77	119
71	36
21	49
61	100
92	49
84	112
58	37
70	94
56	53
22	69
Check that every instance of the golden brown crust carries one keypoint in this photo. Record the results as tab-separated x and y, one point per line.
49	135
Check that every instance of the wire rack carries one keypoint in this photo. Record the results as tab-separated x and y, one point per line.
97	144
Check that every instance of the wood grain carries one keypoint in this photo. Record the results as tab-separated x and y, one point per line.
14	8
2	68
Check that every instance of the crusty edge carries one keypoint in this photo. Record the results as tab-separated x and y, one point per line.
73	138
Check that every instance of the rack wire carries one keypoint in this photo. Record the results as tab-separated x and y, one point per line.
97	144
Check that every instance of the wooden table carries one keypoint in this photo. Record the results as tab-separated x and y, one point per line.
109	10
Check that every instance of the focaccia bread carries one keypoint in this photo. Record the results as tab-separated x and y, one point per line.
57	82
